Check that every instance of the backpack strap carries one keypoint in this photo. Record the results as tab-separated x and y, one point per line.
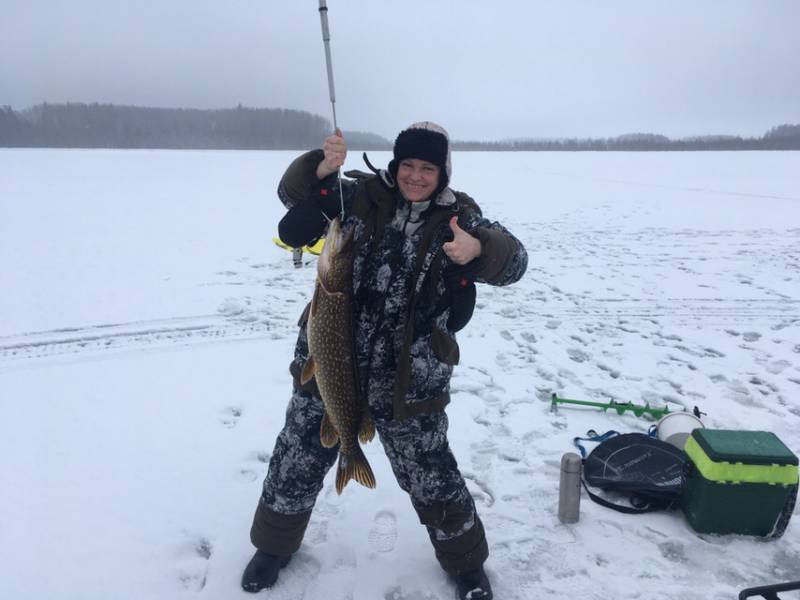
639	506
592	436
373	205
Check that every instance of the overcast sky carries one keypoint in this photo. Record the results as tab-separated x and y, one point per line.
483	69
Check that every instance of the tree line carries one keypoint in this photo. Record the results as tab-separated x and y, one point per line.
782	137
112	126
77	125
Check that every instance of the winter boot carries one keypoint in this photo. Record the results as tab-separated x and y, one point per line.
262	571
473	585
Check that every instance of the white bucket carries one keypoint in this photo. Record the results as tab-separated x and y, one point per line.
675	428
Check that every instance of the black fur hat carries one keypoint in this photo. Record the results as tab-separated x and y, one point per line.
425	141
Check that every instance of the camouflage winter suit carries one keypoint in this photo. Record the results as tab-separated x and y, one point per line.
405	351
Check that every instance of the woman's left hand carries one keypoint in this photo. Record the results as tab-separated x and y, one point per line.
464	246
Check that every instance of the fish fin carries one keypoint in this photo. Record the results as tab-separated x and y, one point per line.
308	371
354	467
367	430
327	432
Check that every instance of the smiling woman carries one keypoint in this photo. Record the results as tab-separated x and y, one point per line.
415	250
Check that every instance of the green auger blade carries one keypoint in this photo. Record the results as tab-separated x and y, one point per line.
619	407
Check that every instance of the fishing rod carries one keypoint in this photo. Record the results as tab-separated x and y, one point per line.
326	39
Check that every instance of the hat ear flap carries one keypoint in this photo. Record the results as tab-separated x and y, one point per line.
443	181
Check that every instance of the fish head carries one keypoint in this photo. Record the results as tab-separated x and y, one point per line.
335	266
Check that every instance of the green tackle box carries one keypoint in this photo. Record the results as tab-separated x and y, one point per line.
742	482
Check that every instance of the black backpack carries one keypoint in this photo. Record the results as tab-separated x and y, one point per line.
646	470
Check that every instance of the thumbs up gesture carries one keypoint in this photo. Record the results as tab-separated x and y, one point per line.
464	246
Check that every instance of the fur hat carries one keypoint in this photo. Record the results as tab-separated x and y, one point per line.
424	141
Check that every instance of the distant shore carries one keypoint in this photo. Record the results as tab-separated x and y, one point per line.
76	125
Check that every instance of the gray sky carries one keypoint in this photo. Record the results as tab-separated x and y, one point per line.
483	69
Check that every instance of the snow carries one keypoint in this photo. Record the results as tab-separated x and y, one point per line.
147	323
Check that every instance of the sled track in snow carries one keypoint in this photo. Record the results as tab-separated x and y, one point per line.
83	342
94	341
706	310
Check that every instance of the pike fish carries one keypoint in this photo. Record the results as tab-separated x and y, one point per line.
332	359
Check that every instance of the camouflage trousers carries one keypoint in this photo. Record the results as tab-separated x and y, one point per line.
422	462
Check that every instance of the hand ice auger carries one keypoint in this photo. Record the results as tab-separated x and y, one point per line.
620	407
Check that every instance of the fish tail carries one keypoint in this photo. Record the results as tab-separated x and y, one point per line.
354	466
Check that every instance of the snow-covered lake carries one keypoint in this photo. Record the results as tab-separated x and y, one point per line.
147	322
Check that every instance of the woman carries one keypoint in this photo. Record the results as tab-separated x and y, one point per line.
420	248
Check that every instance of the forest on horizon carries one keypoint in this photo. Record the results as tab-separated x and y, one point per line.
78	125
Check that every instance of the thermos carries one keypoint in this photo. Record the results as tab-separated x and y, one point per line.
569	490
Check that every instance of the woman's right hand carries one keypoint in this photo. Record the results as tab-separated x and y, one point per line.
335	150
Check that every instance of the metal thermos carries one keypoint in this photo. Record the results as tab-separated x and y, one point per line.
297	257
569	490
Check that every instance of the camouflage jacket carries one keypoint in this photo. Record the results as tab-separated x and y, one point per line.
405	350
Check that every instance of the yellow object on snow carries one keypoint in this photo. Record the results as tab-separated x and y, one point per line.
315	249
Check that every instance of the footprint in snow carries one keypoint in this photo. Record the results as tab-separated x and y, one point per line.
398	593
251	474
739	393
247	475
194	574
230	416
782	325
713	353
317	532
577	355
301	571
778	366
482	455
203	548
502	360
673	551
193	581
383	533
613	373
480	491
